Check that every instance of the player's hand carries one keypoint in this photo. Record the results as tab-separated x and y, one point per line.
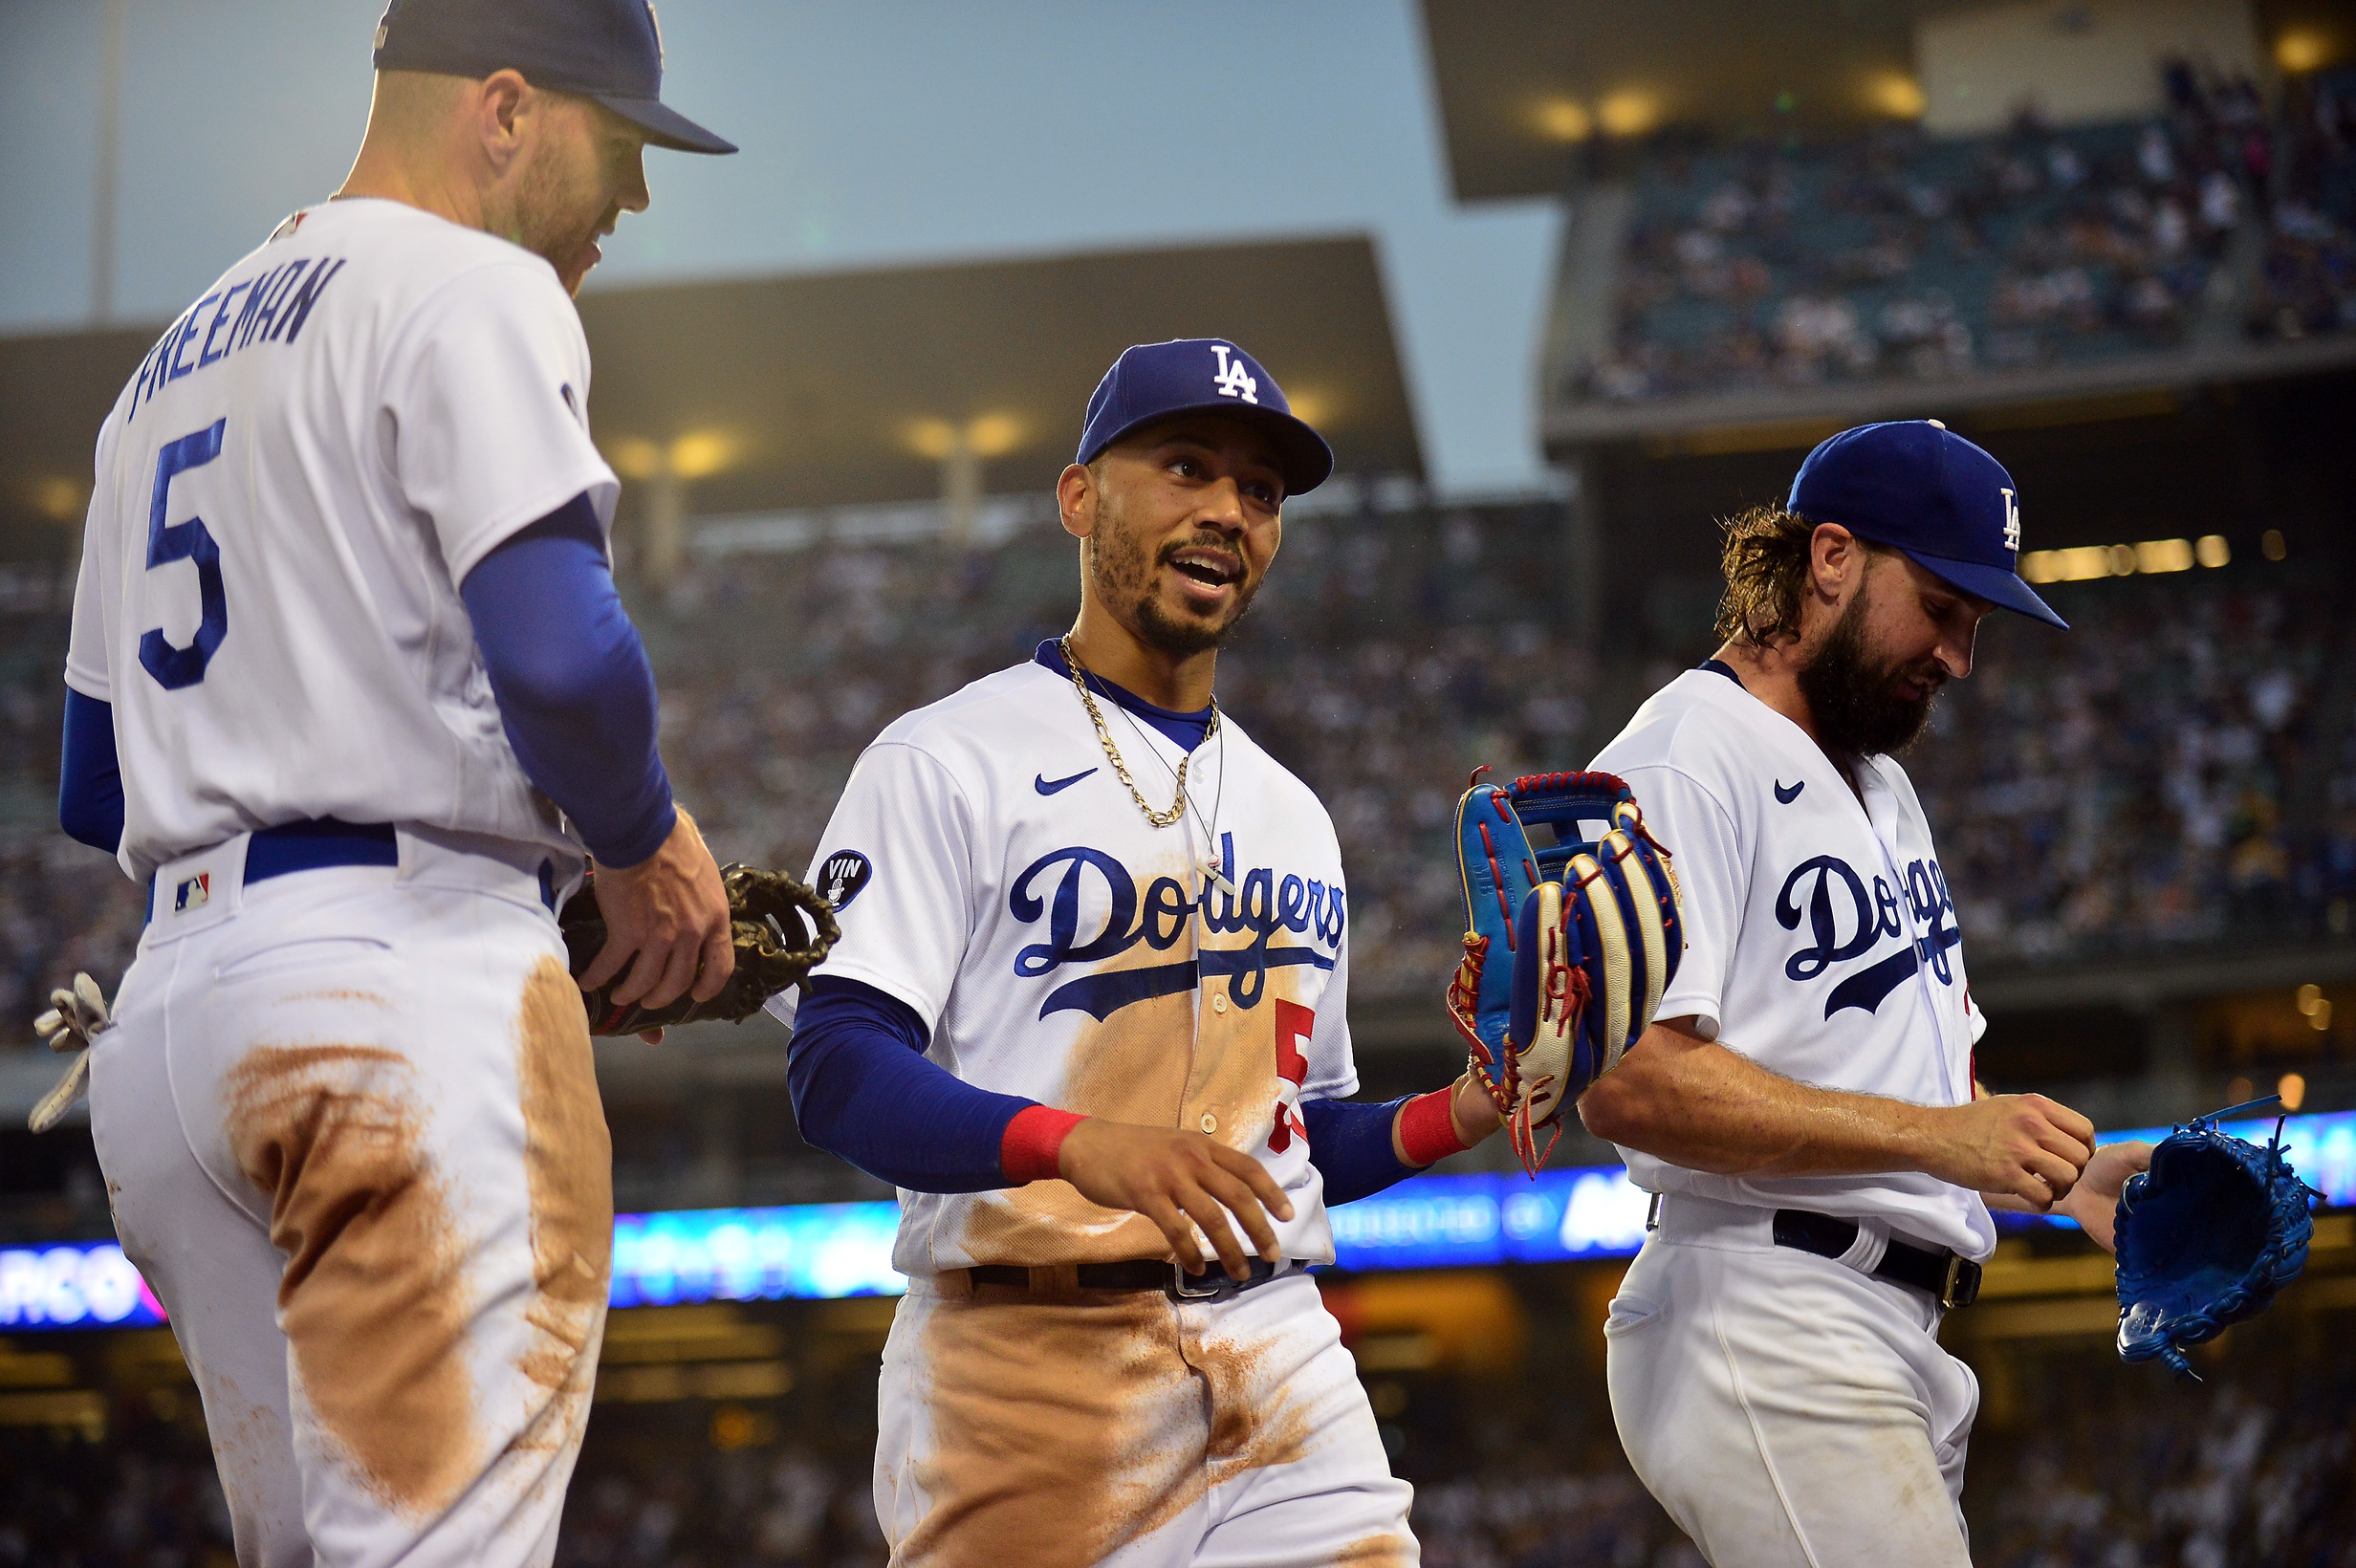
2094	1202
1179	1180
666	918
2023	1146
1473	1112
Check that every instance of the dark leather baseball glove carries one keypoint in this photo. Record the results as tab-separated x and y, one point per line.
782	931
2206	1237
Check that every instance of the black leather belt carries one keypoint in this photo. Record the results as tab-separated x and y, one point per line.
1949	1279
1145	1274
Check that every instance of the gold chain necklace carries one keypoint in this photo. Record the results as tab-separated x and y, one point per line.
1112	752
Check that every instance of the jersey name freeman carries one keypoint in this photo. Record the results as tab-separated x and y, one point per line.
277	301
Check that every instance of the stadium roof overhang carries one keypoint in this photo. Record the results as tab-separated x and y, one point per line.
1525	84
842	389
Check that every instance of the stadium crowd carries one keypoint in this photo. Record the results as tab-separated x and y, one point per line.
1897	254
2103	1467
2126	787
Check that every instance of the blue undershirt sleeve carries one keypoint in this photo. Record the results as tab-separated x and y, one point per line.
575	693
1350	1144
864	1091
89	777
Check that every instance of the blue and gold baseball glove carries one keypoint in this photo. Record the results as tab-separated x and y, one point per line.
2205	1238
1567	947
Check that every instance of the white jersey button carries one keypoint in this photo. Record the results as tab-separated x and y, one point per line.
1218	1002
1211	1122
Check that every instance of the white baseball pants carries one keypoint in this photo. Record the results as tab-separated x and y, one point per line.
1060	1428
350	1127
1787	1410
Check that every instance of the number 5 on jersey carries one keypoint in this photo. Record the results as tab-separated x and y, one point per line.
1293	1023
174	666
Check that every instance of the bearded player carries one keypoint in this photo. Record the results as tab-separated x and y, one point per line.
1804	1103
350	691
1087	1012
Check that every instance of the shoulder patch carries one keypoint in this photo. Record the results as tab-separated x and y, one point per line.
845	872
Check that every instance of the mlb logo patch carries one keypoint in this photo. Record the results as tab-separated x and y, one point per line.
194	893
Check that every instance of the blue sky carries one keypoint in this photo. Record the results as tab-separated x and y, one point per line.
875	133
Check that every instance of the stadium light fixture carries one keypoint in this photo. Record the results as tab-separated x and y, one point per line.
2300	50
1564	119
2212	550
1629	111
1896	94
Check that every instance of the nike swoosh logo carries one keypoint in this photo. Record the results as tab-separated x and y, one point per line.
1049	786
1784	796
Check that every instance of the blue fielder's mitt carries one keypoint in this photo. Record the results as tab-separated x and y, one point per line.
1568	945
2206	1237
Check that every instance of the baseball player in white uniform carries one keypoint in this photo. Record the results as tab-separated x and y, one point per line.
350	691
1806	1104
1088	1013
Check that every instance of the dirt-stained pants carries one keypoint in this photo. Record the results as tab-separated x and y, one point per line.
1065	1428
351	1131
1787	1410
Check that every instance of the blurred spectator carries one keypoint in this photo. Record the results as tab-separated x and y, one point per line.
1895	254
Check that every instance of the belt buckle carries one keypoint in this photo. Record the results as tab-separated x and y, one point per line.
1961	1286
1215	1283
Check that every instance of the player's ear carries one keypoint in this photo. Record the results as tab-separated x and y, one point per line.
1833	556
1076	498
503	110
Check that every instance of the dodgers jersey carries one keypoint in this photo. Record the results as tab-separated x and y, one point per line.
1821	940
991	872
288	494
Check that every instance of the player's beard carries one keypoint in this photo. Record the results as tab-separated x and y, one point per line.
1859	703
551	216
1126	577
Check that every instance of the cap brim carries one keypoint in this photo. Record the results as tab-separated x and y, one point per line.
1993	583
1307	461
664	125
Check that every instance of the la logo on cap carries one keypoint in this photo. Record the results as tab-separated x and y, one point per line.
1233	381
2012	521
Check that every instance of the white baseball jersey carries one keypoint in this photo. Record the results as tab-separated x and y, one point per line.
993	874
1821	940
288	494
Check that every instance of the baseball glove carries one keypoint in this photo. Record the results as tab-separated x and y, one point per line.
782	931
1567	947
75	1018
2205	1238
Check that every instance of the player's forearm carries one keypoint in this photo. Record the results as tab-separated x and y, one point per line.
89	776
1697	1105
575	693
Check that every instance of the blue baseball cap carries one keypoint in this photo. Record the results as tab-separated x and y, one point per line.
609	50
1153	382
1919	488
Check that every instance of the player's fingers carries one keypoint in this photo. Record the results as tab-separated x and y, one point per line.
2062	1144
678	973
1181	1233
1244	1204
1254	1175
2057	1174
718	956
1205	1212
2075	1125
608	962
640	981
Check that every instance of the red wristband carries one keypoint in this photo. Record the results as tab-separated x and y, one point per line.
1028	1150
1428	1127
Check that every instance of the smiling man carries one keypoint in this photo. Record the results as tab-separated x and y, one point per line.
1805	1106
1087	1013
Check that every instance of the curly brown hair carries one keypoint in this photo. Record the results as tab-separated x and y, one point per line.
1766	563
